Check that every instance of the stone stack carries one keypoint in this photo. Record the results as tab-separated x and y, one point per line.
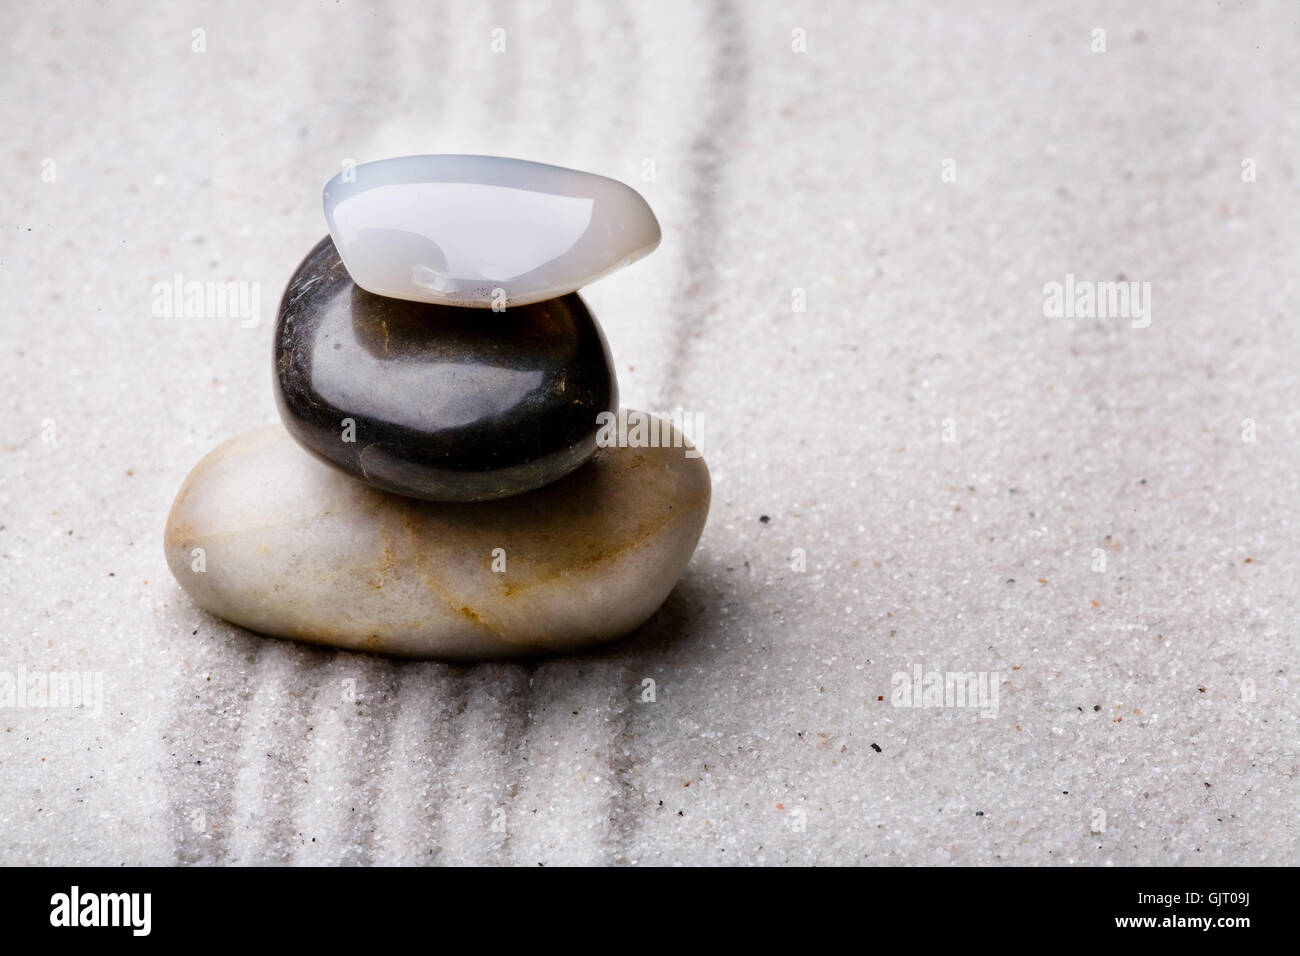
437	488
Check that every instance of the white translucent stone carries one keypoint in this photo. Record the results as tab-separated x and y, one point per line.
483	230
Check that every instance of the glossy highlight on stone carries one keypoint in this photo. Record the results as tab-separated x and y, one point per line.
482	230
435	402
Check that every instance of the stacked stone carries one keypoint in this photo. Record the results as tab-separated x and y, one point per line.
434	360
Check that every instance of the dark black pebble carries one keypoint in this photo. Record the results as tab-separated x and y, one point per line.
447	404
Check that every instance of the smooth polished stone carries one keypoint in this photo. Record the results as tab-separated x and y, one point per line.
272	540
482	230
438	402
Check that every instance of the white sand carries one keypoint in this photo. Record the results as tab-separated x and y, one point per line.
774	170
